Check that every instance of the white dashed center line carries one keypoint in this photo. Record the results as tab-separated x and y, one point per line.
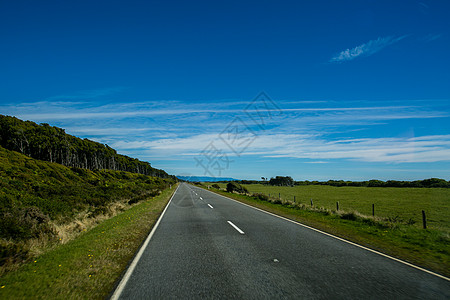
235	227
210	206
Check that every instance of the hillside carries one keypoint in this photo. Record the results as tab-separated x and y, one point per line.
44	203
37	198
52	144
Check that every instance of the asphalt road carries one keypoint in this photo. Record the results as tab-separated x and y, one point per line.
209	246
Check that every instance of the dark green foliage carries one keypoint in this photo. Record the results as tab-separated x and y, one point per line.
248	181
48	176
426	183
281	181
234	187
143	196
12	253
34	192
24	223
216	186
52	144
350	216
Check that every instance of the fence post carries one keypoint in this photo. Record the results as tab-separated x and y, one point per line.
337	206
294	199
311	203
424	220
373	210
279	196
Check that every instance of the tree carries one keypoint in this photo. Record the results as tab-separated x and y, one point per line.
49	143
282	181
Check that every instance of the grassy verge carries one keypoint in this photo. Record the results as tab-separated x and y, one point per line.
427	248
88	266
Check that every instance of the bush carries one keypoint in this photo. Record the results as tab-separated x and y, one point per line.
234	187
261	197
216	186
352	216
25	223
277	201
11	253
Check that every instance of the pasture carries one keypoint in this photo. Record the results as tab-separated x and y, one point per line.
401	204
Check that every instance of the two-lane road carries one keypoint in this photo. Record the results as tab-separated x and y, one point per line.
209	246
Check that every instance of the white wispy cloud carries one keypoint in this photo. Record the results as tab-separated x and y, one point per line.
366	49
316	148
432	37
321	133
425	149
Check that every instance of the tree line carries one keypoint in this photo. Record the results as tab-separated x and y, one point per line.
288	181
426	183
53	144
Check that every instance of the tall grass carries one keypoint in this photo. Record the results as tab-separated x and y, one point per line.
86	267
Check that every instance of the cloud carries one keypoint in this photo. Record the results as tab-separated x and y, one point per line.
313	148
366	49
432	37
425	149
73	111
320	133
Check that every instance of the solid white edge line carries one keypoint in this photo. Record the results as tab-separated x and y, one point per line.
136	259
210	205
235	227
341	239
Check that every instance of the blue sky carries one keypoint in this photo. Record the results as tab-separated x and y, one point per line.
353	89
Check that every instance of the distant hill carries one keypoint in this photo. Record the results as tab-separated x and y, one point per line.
49	143
205	178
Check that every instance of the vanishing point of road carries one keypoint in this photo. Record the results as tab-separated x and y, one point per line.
209	246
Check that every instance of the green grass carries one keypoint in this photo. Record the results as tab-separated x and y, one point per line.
88	266
427	248
403	203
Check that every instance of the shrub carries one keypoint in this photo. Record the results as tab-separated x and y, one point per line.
261	197
21	224
216	186
234	187
11	253
277	201
350	216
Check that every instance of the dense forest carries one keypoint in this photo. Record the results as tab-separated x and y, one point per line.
53	144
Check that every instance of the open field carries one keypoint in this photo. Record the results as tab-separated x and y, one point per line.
88	266
401	203
391	232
